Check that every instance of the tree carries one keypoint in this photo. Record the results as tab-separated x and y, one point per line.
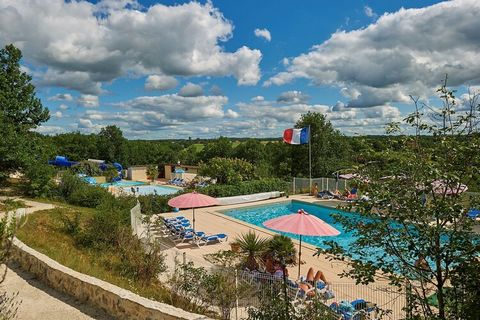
329	148
417	233
152	172
20	112
219	148
111	144
227	171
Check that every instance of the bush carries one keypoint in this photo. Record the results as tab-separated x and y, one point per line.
40	180
110	219
77	192
137	262
246	187
153	204
89	168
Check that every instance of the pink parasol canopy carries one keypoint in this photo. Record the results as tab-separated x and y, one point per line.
303	224
192	200
440	186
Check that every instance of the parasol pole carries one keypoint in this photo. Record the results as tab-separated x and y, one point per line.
193	220
299	256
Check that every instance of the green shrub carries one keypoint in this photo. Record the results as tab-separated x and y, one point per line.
89	168
40	180
77	192
138	262
153	204
246	187
227	171
110	219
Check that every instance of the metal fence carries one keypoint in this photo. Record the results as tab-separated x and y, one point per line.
384	301
302	185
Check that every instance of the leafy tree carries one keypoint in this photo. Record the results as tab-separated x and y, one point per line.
252	151
20	112
111	144
219	148
110	174
417	232
152	172
227	171
329	148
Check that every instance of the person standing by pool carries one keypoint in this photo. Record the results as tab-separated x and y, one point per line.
133	190
315	190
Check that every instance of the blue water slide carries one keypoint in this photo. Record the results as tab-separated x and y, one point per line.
61	161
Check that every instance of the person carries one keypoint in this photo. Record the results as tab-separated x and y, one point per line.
315	190
318	276
138	189
133	190
346	193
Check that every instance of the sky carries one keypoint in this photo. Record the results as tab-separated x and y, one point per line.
180	69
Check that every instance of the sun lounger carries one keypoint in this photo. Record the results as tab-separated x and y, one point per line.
473	213
214	238
189	236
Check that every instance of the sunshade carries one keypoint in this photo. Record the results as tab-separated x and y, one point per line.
192	200
303	224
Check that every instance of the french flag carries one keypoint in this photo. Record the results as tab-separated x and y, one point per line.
296	136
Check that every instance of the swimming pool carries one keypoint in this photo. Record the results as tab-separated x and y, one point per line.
122	183
148	189
257	215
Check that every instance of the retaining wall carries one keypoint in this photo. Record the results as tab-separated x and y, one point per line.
118	302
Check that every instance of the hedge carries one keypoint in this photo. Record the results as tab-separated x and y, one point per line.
246	187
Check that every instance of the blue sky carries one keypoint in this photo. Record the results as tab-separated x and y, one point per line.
179	69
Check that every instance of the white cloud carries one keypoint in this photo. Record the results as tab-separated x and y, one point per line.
258	98
58	114
46	129
369	12
263	33
88	101
82	45
402	53
160	82
63	107
191	90
231	114
61	97
292	97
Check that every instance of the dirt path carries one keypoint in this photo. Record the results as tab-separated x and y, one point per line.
39	301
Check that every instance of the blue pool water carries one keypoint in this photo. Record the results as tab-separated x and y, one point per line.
147	189
257	215
122	183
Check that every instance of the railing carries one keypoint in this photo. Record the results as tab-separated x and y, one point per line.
302	185
385	301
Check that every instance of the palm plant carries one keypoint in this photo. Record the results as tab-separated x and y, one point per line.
252	246
282	249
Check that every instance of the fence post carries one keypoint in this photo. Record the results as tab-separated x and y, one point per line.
293	185
184	256
236	294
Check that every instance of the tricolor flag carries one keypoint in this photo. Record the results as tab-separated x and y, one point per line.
296	136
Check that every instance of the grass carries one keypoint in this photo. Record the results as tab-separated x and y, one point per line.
44	232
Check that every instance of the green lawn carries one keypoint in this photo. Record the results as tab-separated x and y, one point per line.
43	231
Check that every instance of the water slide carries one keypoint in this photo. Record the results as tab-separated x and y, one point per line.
61	161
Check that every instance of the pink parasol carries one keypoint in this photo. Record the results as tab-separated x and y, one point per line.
192	200
440	186
303	224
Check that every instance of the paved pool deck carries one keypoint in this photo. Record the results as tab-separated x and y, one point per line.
211	220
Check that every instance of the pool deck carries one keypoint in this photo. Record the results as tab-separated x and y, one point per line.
211	221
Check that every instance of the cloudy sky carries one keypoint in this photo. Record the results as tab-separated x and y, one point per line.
179	69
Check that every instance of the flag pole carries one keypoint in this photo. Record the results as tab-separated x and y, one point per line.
310	156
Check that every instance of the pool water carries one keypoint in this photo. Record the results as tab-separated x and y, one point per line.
257	215
122	183
148	189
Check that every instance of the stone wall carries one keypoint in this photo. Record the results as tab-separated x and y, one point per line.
118	302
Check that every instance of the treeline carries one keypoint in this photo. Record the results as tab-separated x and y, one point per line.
331	151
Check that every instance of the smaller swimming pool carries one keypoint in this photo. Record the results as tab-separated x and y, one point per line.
122	183
148	189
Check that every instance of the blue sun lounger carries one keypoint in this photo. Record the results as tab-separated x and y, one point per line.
214	238
473	213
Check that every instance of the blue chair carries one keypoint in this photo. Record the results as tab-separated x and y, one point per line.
473	213
214	238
